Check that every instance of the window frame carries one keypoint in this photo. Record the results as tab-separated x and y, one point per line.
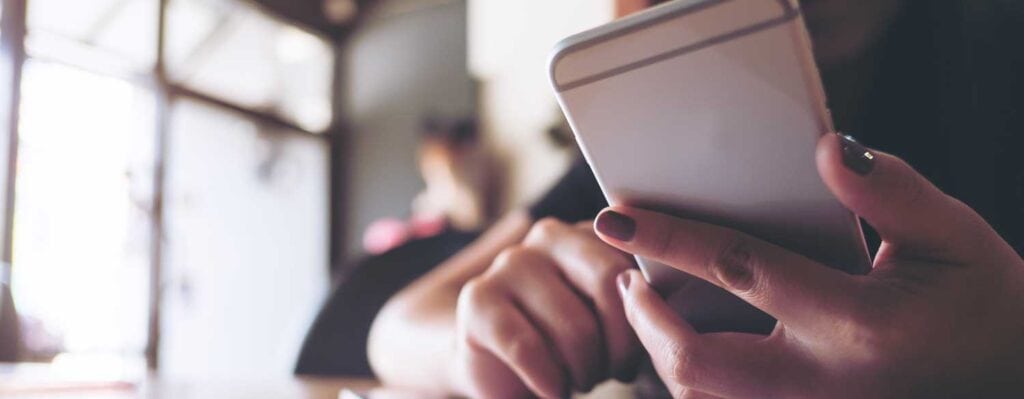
13	52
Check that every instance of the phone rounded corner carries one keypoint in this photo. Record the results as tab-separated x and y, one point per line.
558	53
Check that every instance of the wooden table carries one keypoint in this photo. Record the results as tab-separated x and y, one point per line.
39	381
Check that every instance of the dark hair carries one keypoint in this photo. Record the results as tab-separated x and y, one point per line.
949	80
451	131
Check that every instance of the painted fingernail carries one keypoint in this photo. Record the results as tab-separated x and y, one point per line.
856	157
616	225
624	280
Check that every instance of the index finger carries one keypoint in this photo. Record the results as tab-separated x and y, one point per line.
789	286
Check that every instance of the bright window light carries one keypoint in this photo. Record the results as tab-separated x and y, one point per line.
237	53
122	29
246	244
81	221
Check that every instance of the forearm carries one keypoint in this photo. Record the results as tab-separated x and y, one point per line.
413	337
412	340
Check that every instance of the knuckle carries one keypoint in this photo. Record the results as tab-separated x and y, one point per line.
511	257
548	224
473	289
475	306
520	347
506	255
474	293
544	230
735	250
734	263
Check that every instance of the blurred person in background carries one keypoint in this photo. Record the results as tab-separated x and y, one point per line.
459	200
532	308
461	187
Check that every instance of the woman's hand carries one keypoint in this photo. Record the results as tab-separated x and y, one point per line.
940	315
545	318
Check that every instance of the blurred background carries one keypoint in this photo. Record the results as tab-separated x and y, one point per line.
185	183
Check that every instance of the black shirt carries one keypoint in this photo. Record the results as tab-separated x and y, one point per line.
575	198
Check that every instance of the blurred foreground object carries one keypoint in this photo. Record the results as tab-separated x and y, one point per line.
56	381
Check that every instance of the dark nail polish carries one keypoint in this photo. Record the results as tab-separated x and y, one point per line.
616	225
855	156
624	280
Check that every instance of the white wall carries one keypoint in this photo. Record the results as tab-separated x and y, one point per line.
509	45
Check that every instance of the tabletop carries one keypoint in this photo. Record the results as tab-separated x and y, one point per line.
47	381
35	381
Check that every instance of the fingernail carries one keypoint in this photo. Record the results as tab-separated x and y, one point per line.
855	156
616	225
624	280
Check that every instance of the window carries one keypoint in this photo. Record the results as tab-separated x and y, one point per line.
247	244
234	52
5	96
114	36
234	130
83	209
82	220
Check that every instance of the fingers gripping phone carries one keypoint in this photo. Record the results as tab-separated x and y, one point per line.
709	110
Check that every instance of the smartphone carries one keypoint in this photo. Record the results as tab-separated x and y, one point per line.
709	110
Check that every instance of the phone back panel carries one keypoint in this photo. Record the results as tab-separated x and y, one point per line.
709	110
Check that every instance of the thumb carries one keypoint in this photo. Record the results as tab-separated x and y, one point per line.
654	321
902	205
662	332
700	366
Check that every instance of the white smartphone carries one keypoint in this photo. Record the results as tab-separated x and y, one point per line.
709	110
